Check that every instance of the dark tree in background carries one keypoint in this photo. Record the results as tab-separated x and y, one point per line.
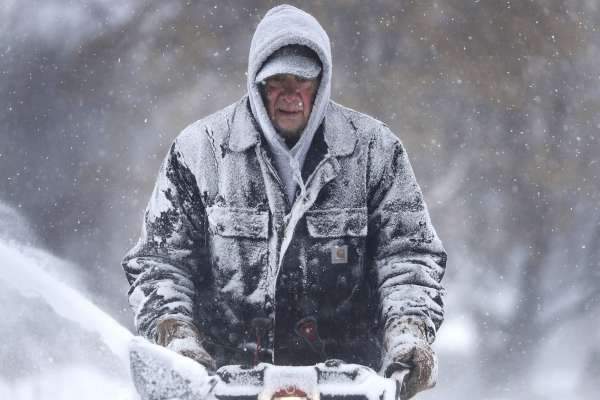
498	103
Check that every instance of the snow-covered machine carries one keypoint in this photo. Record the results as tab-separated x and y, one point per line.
160	374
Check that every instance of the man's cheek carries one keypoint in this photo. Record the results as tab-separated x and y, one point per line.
307	100
272	104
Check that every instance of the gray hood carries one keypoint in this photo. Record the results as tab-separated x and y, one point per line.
284	25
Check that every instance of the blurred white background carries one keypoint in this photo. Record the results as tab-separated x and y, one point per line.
497	102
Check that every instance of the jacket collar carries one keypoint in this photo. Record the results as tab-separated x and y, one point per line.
340	134
243	132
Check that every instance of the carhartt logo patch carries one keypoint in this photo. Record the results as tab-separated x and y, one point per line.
339	254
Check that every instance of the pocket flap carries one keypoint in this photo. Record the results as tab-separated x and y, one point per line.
238	222
337	222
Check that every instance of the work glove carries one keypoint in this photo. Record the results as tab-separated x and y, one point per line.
183	338
407	356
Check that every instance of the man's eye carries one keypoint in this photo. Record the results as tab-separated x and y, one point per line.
306	82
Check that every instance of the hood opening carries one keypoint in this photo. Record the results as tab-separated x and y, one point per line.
286	25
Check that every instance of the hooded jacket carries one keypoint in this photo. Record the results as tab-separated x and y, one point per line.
286	25
267	280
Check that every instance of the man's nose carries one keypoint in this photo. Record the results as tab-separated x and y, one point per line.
291	96
290	92
290	86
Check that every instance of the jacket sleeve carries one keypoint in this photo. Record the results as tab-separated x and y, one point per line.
165	264
407	257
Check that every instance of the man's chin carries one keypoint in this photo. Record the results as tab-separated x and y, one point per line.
289	132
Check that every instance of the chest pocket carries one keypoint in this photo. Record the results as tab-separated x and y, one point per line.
238	248
336	250
238	222
342	222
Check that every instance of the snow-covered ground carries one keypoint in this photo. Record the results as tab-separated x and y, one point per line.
74	382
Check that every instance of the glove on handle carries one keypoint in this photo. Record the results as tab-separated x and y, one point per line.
406	348
183	338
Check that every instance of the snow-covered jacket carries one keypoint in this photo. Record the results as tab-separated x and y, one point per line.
265	280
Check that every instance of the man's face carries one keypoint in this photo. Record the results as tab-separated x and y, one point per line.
289	101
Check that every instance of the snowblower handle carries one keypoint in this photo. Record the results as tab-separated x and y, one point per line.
161	374
332	380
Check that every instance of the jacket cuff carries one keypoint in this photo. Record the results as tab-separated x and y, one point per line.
408	326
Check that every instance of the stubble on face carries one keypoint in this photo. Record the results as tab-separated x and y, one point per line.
289	100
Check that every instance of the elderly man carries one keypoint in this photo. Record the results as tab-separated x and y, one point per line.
288	229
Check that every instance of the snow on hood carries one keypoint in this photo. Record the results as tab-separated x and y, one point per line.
281	26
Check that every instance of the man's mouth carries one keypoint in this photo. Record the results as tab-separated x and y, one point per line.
289	112
291	109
